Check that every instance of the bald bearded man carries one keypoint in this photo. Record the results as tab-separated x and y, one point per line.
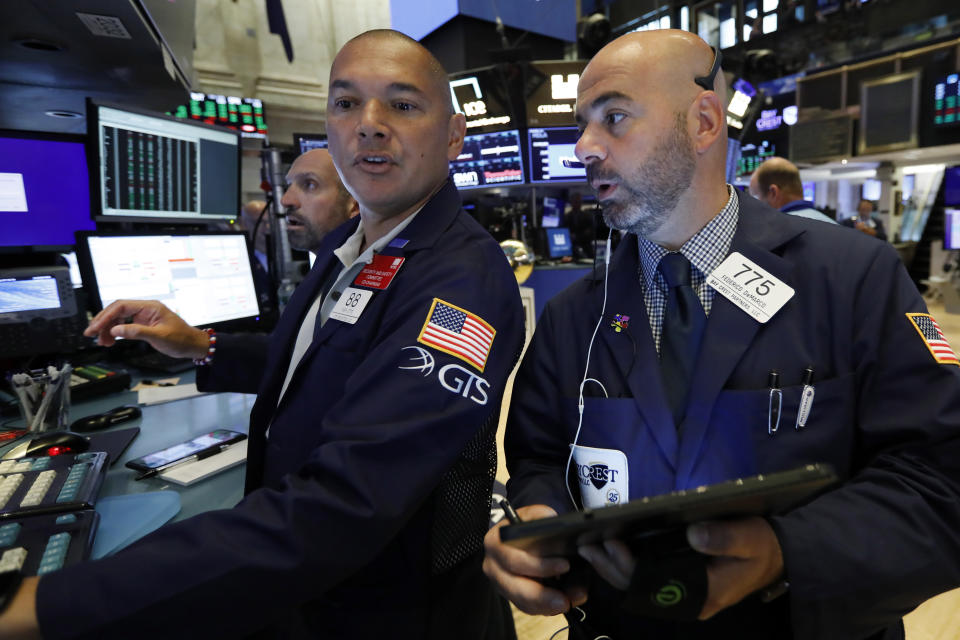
646	379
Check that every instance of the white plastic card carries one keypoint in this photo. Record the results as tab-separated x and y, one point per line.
351	304
753	289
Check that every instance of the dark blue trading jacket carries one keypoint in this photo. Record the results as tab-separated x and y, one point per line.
885	414
367	504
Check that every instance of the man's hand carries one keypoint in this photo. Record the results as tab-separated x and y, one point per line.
517	573
151	321
19	620
747	557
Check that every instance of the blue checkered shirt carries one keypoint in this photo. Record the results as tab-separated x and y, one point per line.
705	251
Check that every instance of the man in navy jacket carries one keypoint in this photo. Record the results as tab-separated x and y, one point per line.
371	441
885	412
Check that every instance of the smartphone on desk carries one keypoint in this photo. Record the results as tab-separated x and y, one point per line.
216	438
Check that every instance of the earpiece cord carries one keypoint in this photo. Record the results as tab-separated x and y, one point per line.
586	368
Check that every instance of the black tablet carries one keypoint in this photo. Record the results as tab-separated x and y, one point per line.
760	495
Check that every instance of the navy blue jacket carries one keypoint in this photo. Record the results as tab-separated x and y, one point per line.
886	415
367	504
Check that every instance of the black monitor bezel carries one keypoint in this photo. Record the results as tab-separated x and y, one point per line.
54	137
87	273
93	166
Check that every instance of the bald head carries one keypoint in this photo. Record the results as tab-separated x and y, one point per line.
653	140
776	182
424	59
666	60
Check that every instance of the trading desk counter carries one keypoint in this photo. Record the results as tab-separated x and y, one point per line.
163	425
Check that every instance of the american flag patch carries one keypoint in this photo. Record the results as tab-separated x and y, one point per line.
458	332
933	337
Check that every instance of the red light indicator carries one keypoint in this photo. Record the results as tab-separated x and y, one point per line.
56	451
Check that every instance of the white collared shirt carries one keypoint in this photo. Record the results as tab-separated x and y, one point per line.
353	262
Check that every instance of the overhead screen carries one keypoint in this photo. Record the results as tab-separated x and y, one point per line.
242	114
889	110
488	160
946	101
44	189
203	278
552	157
150	166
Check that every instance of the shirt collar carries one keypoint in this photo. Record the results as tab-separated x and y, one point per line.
705	250
349	251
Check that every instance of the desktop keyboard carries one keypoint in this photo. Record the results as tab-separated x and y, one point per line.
39	544
51	484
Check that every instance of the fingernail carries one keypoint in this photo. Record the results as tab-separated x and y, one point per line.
698	536
559	603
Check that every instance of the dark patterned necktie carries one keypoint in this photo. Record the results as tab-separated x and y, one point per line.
683	326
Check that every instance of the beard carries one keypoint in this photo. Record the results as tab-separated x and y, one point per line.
650	193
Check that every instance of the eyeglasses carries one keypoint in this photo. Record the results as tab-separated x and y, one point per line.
707	81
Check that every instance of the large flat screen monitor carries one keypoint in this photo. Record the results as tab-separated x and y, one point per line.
889	112
44	189
488	160
147	166
551	155
205	278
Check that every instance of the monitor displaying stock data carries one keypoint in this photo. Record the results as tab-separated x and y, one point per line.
488	160
151	166
552	157
205	278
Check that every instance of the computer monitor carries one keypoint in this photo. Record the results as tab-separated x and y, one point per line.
552	212
44	189
150	167
205	278
488	160
309	141
951	229
951	186
552	157
946	100
559	244
752	156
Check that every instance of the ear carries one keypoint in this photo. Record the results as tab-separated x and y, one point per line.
457	130
353	209
711	121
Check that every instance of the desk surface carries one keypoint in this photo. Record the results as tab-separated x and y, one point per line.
167	424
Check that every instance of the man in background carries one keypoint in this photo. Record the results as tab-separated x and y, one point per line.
866	222
777	183
316	201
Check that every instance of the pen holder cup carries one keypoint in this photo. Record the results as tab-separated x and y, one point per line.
48	407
